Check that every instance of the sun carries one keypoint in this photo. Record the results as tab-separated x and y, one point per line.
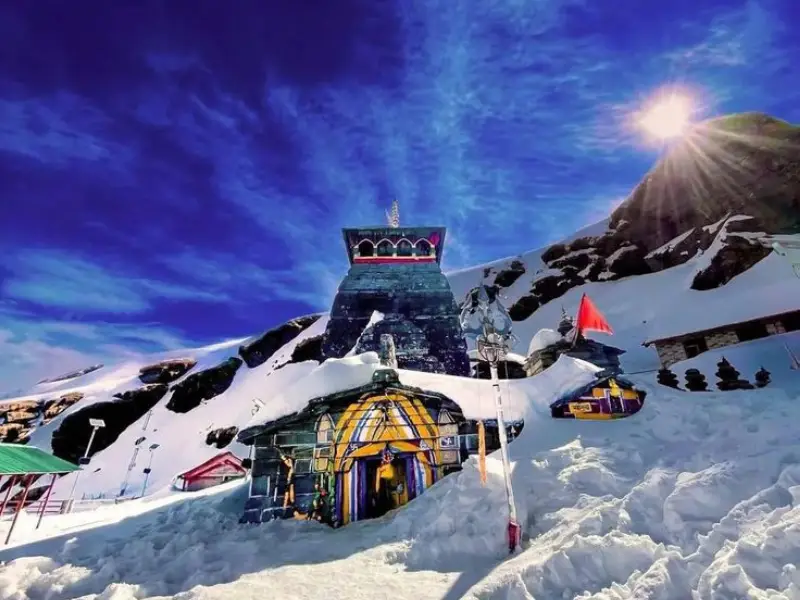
668	117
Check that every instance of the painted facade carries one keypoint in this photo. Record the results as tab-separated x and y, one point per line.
610	397
357	454
682	347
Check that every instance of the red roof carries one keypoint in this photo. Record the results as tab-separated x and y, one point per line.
226	461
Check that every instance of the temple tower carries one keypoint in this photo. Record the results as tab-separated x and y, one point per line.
396	271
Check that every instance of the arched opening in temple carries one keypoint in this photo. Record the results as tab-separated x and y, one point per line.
404	248
385	248
366	248
423	248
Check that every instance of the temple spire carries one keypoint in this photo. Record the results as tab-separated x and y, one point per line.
393	217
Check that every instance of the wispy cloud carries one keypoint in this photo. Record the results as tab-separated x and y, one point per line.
33	348
53	279
216	176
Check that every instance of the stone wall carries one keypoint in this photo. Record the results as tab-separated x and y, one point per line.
720	339
670	352
419	310
775	328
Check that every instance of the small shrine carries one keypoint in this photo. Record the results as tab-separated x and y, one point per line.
547	345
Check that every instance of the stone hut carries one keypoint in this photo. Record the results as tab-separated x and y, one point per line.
547	345
675	347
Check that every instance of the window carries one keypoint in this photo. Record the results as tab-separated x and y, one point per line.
385	248
325	429
302	465
423	248
695	346
791	322
470	442
259	486
751	331
366	248
449	456
404	248
295	438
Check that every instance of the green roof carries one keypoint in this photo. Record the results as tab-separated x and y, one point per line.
16	459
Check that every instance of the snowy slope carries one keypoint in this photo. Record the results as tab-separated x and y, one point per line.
697	496
650	306
639	308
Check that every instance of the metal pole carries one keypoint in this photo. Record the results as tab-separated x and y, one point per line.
19	507
513	524
147	473
78	472
46	500
12	481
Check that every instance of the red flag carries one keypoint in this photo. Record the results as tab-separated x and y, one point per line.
590	319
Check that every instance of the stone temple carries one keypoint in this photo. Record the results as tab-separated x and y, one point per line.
396	271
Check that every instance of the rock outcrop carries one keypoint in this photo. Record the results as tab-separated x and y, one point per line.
70	439
221	437
18	419
738	255
166	371
258	351
203	385
740	172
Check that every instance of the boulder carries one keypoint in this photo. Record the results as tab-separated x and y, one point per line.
735	257
203	385
221	437
166	371
258	351
54	407
70	439
524	307
510	274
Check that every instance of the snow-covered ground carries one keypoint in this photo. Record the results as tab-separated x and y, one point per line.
697	496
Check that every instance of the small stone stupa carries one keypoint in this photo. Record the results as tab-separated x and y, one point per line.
548	344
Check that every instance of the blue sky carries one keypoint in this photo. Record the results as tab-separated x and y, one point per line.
176	173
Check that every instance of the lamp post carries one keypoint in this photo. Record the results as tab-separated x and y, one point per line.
84	460
486	320
147	469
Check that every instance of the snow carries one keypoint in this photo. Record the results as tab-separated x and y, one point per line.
671	244
764	290
696	496
543	338
474	396
619	252
510	356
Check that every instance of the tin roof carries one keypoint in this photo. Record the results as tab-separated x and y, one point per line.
16	459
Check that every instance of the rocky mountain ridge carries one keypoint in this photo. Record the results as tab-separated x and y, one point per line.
726	235
731	182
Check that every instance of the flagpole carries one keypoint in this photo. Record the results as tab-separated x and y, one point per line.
490	323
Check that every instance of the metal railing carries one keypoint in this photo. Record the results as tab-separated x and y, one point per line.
60	507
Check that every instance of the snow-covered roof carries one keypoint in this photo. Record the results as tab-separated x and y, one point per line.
543	339
474	396
510	356
772	289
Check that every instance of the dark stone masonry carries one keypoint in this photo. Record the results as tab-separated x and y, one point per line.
415	298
